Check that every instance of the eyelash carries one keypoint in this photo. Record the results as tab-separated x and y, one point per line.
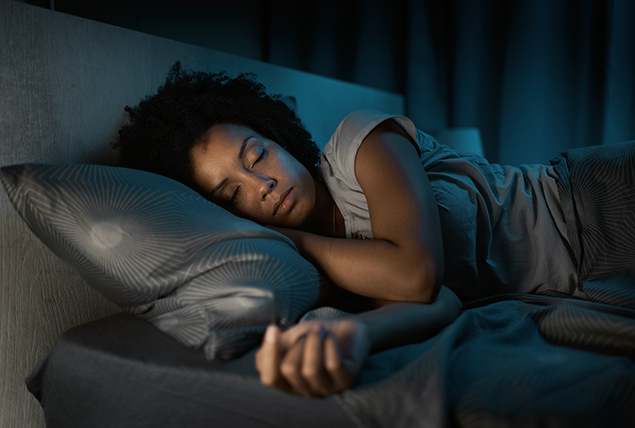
262	154
235	195
237	191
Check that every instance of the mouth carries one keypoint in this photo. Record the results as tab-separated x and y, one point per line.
284	202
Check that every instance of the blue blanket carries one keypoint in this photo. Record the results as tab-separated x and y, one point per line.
517	361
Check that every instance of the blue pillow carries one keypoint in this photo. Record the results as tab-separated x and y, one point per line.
161	251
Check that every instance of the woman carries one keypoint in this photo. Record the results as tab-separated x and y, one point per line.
505	229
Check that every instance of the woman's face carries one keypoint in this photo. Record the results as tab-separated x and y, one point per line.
252	176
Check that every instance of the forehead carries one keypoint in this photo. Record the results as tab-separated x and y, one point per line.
218	143
217	154
224	134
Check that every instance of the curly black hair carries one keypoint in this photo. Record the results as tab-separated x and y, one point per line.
164	127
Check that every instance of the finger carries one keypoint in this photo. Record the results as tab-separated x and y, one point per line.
268	355
340	376
290	336
313	370
268	360
291	366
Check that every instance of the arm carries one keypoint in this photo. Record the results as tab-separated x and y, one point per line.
404	263
319	358
405	260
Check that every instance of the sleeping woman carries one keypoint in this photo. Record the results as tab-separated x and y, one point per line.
386	213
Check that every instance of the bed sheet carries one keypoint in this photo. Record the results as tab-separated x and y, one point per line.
513	361
122	372
517	361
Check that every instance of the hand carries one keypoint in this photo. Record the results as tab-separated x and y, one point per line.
315	358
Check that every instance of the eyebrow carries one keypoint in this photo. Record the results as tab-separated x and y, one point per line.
241	152
242	147
218	186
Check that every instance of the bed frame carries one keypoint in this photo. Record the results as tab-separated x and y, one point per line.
64	82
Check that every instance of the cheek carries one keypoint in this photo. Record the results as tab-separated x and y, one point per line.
300	175
250	208
242	210
301	172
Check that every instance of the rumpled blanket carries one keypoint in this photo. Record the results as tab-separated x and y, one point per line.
508	361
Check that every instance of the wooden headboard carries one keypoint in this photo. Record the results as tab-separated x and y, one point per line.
63	84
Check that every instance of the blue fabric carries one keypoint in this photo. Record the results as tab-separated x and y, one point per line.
542	361
601	180
120	372
547	362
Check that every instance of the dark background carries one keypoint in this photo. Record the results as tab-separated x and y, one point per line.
535	76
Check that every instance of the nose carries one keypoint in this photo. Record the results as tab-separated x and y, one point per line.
266	186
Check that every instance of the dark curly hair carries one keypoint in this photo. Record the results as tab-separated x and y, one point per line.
164	127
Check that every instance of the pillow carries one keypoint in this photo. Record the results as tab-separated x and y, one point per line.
159	250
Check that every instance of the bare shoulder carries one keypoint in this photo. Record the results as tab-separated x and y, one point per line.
387	144
388	126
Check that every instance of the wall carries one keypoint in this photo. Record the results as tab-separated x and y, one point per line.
64	82
362	42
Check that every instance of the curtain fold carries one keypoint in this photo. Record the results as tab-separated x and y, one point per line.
552	91
619	108
535	76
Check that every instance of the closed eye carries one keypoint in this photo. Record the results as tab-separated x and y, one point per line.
232	201
259	158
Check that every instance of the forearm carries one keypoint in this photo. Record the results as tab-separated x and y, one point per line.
373	268
305	360
403	323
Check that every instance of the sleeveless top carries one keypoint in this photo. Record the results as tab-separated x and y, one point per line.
503	227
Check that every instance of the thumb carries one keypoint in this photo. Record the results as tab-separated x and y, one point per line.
268	356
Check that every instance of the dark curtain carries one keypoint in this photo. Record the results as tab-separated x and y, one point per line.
535	76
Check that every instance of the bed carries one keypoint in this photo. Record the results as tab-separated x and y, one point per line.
96	257
491	368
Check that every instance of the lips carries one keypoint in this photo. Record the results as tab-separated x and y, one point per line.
284	202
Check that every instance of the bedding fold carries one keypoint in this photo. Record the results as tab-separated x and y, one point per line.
509	363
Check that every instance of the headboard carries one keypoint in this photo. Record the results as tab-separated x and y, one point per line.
64	82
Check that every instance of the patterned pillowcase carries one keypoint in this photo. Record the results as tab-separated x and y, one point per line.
160	250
